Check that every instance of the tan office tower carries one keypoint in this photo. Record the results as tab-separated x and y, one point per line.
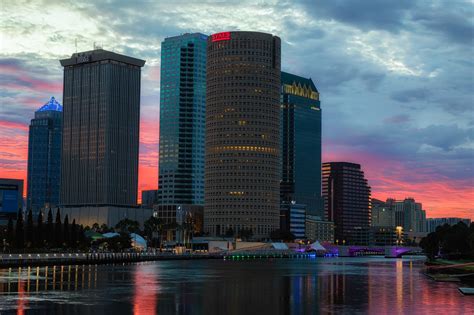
242	167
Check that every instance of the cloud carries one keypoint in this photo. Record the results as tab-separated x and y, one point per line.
410	95
366	15
395	77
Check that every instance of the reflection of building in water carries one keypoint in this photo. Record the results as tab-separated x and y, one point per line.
145	289
35	279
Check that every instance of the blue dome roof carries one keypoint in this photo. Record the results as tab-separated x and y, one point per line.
52	105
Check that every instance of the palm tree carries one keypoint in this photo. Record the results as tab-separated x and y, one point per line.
153	225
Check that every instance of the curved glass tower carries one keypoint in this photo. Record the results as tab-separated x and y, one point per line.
242	169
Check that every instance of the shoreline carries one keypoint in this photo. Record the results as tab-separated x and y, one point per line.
51	259
48	259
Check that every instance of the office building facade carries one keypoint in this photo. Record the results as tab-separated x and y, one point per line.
242	168
318	229
383	214
301	143
149	198
409	214
101	118
182	123
44	157
346	196
292	218
11	198
182	119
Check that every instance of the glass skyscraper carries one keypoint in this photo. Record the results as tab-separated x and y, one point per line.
182	125
44	157
300	116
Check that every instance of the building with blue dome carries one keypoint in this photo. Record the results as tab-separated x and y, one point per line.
44	157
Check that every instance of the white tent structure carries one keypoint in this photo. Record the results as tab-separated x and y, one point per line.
110	235
317	246
138	242
280	246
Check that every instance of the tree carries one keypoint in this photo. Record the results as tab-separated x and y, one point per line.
58	239
29	229
452	242
229	232
245	233
127	225
430	245
152	225
39	238
105	229
116	243
10	232
96	227
74	235
19	231
81	237
50	229
66	236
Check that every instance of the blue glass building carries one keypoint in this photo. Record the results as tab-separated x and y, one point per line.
182	124
44	157
301	143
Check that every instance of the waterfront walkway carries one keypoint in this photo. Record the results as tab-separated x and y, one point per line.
50	259
42	259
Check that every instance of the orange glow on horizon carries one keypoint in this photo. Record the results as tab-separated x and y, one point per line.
441	197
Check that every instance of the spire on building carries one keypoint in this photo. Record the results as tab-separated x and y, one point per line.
52	105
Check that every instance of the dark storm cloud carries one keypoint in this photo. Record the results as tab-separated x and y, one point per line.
445	137
367	15
410	95
455	22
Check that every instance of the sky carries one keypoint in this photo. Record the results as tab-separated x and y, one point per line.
395	78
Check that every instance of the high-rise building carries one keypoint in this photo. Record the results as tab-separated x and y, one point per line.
182	123
44	157
433	223
149	198
383	215
409	214
242	168
101	119
347	202
301	143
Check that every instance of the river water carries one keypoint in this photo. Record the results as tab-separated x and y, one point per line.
368	285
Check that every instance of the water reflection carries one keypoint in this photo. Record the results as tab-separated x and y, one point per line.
146	285
35	279
339	285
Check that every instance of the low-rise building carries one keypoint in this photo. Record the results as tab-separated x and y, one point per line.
11	197
292	218
318	229
387	236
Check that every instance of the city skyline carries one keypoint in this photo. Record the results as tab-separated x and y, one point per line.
419	144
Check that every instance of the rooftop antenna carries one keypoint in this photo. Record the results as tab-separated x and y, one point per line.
75	41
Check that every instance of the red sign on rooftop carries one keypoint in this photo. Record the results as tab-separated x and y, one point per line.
220	36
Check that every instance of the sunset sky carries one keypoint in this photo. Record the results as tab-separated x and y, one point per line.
395	77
